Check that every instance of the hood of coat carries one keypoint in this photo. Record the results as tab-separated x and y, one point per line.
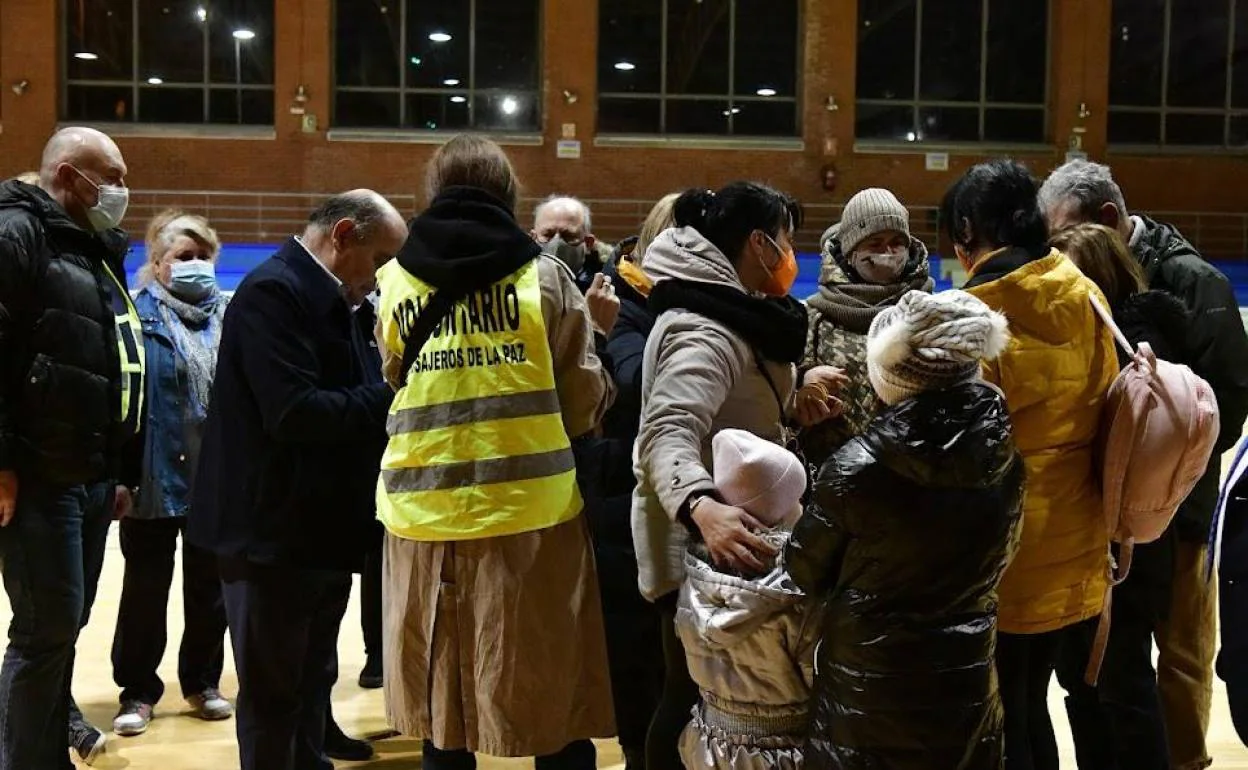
65	231
957	438
682	252
1158	243
728	608
1046	298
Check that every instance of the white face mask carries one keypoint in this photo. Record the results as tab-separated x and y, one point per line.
882	268
110	208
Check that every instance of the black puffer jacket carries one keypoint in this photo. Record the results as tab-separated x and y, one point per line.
912	526
1219	349
60	382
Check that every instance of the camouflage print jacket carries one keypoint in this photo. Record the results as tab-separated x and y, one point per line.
840	316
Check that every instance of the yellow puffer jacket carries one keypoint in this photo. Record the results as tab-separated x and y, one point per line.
1055	373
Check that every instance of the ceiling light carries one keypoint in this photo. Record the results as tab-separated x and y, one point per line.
458	99
451	82
766	92
910	137
625	66
86	56
244	34
201	13
155	81
510	106
415	61
733	111
439	37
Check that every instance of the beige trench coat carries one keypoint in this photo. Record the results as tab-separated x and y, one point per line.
497	645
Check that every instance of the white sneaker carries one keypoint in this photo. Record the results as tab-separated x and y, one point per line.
209	705
133	719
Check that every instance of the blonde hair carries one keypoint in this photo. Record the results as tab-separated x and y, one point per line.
165	228
660	218
1103	256
473	161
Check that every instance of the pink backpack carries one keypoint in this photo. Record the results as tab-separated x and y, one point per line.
1158	428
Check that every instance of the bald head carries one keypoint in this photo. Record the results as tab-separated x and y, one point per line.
76	162
353	234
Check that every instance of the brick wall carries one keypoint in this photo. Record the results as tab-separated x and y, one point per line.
296	161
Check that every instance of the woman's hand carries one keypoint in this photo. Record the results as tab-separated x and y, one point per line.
604	306
816	400
729	534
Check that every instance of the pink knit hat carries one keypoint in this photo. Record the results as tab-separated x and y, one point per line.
764	479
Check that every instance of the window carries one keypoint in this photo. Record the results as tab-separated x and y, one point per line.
169	61
709	67
1177	77
953	70
438	64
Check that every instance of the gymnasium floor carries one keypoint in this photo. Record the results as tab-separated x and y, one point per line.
177	742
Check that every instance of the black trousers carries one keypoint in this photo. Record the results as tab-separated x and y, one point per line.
284	625
680	695
577	755
370	604
139	641
1025	664
1117	725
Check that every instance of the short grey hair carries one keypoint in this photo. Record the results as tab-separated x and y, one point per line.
365	208
1089	184
564	199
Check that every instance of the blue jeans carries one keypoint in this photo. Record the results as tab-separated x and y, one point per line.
52	552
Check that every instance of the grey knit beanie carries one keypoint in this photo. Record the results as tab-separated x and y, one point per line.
869	212
931	342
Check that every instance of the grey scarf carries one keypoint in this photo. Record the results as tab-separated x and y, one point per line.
196	334
850	303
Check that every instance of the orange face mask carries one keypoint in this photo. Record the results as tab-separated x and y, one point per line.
780	279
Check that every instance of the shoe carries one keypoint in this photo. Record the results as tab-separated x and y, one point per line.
210	706
370	677
86	741
339	746
133	718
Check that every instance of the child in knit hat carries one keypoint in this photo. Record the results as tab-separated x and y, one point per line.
909	530
749	641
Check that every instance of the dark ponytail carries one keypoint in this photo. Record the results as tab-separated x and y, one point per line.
995	204
726	218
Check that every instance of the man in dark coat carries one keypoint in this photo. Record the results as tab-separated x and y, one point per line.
291	452
71	384
1081	191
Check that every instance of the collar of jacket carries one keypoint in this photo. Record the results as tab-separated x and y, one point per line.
1157	243
465	241
67	236
1003	262
322	294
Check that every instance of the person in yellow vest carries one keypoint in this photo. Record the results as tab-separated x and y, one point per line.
493	625
1055	373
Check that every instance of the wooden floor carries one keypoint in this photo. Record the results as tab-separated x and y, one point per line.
179	742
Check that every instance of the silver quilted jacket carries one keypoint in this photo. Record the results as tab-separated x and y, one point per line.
750	647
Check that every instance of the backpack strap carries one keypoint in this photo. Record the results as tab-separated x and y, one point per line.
440	306
1108	319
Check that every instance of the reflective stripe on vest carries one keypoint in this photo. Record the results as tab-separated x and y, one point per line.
130	354
477	444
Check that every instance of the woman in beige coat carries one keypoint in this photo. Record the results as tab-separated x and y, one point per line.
493	625
721	355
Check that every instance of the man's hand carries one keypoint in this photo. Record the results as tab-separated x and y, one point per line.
816	400
8	497
604	306
729	534
123	503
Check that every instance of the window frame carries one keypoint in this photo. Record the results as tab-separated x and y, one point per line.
663	97
402	90
137	84
981	105
1228	112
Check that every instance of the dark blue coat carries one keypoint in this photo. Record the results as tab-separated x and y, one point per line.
296	425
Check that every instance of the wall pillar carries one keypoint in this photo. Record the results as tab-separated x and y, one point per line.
27	29
1079	73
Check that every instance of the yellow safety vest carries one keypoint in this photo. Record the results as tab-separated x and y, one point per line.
130	355
477	444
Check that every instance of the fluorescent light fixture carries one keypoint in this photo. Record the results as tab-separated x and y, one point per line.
451	82
510	106
766	92
155	81
458	99
439	37
86	56
244	34
625	66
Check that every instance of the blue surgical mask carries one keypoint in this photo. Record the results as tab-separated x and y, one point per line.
193	280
